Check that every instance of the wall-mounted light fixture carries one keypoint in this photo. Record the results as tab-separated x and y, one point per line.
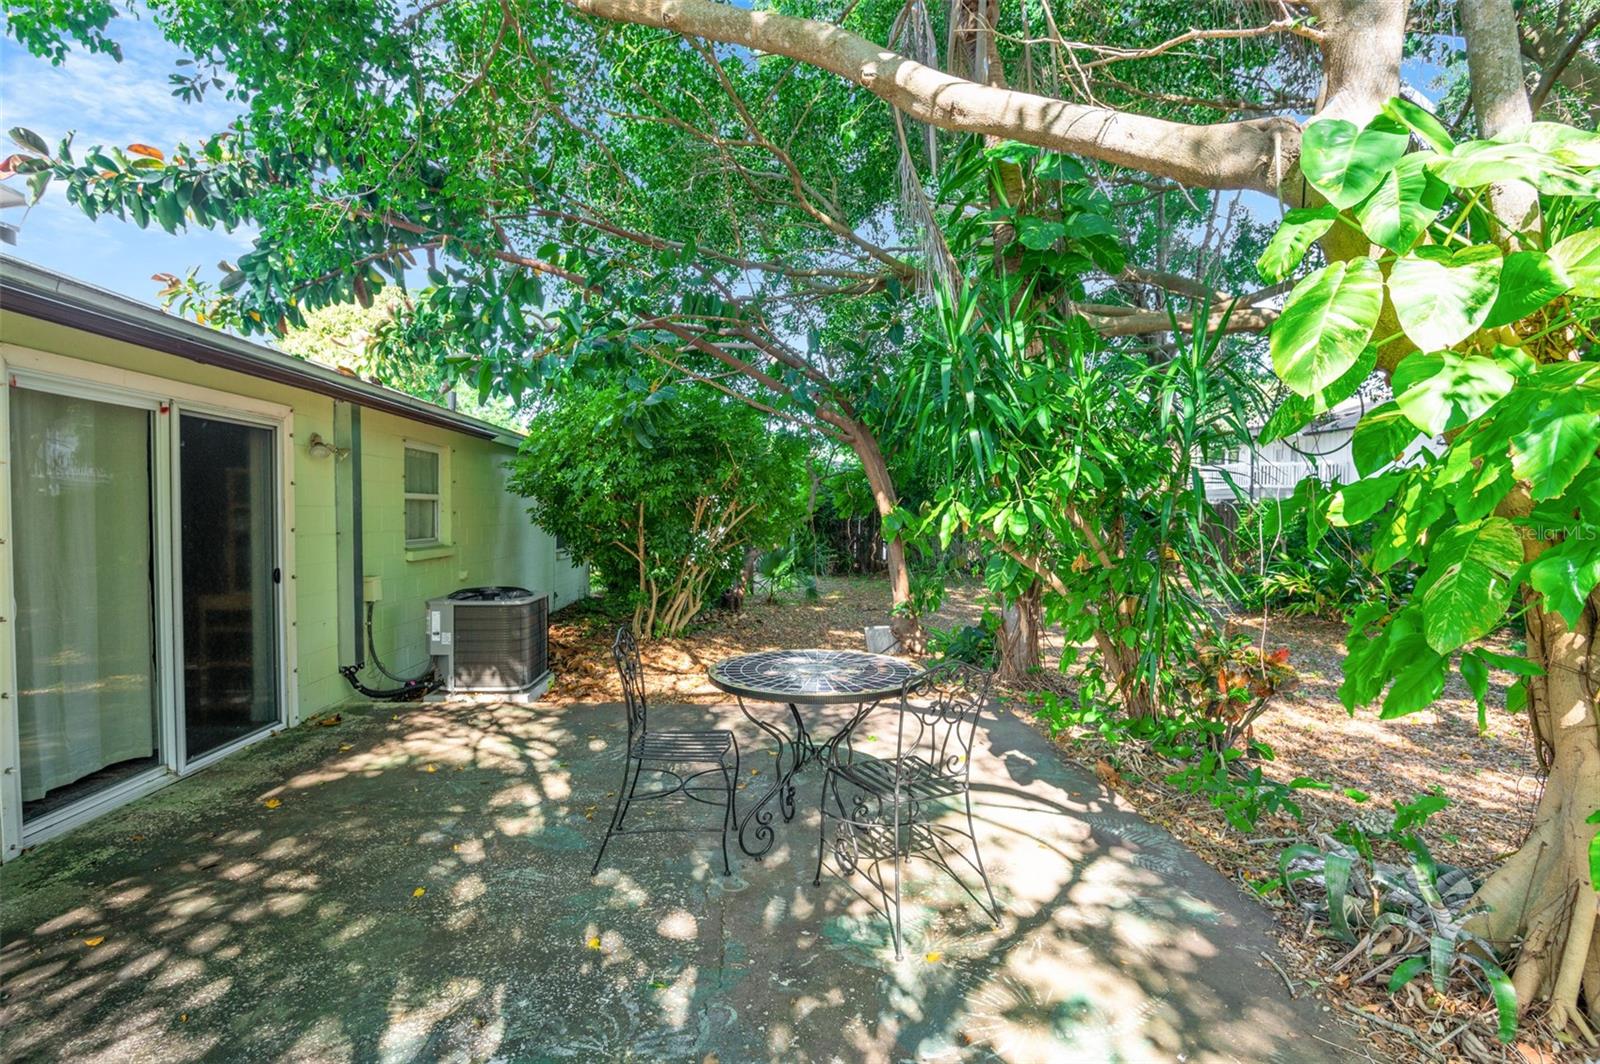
321	448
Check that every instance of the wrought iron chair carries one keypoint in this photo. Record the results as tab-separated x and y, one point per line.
654	751
894	804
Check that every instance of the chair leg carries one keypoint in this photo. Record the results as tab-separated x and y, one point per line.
822	826
733	797
727	817
624	796
899	947
977	852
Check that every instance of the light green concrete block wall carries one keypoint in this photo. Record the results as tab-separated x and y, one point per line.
492	539
488	536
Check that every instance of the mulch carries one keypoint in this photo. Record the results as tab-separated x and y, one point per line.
1490	778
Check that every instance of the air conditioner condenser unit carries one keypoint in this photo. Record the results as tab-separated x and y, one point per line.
491	641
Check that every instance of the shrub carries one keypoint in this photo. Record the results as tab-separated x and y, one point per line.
660	491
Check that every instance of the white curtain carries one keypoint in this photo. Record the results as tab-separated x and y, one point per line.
80	495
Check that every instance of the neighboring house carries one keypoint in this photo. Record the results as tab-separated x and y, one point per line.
1271	470
182	513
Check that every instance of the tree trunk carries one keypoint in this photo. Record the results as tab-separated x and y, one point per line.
1542	895
903	619
1019	638
1499	96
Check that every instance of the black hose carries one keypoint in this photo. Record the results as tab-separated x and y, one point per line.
411	689
372	648
411	692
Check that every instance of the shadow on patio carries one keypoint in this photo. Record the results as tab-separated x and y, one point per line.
420	891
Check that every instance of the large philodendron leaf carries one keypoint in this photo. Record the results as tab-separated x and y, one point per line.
1422	122
1288	246
1555	448
1487	162
1469	582
1381	437
1405	201
1297	411
1346	163
1578	257
1326	323
1441	392
1529	280
1442	297
1565	575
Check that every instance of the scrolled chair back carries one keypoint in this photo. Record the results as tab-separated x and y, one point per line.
625	650
939	712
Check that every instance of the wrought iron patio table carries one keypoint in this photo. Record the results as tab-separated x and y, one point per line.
796	679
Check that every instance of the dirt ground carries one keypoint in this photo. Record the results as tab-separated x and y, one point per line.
1489	777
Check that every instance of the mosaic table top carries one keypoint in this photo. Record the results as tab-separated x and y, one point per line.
812	676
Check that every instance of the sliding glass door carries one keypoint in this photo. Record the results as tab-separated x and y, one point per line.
227	555
83	549
145	569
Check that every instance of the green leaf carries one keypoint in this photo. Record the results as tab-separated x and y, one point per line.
1301	227
1297	411
1529	280
1416	686
1578	258
1443	296
1442	392
1057	167
1038	234
1441	954
1484	162
1566	574
1469	582
1355	503
1420	121
1345	163
1504	994
1555	449
1568	144
1403	204
1517	697
1406	971
27	138
1326	323
1381	437
1336	880
1475	672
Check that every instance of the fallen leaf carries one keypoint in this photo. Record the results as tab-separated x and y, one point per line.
430	768
933	956
95	941
136	838
345	746
594	942
328	722
272	803
419	892
183	1017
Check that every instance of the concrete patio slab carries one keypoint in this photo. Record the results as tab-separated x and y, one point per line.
413	884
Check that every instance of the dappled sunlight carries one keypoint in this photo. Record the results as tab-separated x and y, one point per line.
383	910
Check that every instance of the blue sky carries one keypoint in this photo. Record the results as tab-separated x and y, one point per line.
107	102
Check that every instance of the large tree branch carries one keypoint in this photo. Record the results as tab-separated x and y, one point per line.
1579	74
1229	155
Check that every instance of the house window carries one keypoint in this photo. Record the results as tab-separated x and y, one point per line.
422	496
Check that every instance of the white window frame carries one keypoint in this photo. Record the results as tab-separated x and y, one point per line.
48	371
439	538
